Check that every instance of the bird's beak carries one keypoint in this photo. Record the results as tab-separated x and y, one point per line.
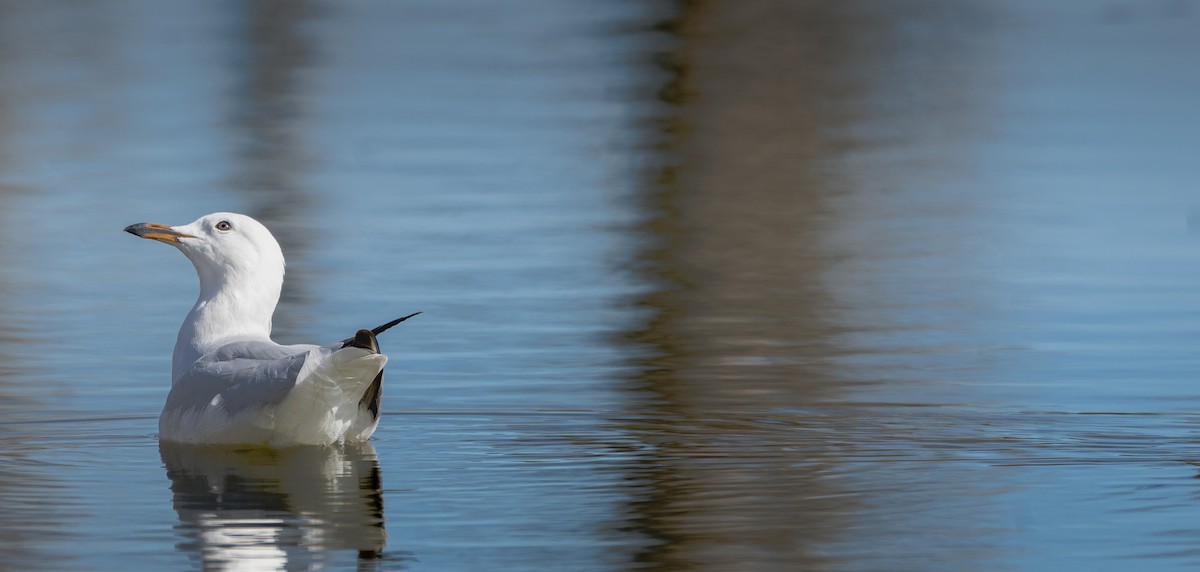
156	232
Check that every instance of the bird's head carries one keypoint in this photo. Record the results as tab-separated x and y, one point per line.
222	246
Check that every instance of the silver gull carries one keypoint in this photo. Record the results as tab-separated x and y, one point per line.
230	383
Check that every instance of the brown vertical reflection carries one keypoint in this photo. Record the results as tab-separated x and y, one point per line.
739	219
272	160
737	331
743	468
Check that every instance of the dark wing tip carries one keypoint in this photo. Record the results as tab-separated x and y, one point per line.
381	329
360	341
370	398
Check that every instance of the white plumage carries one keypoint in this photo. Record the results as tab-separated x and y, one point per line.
230	383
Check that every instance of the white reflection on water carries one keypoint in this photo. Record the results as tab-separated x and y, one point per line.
264	509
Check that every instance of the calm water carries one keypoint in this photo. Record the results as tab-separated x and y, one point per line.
749	285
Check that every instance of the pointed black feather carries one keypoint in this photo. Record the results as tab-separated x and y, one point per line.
374	332
381	329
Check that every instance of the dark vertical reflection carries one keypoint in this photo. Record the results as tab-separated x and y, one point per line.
286	509
744	338
736	329
272	160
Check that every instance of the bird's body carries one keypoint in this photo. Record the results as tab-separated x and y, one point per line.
262	392
230	382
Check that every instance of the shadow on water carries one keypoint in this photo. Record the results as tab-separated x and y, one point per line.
298	508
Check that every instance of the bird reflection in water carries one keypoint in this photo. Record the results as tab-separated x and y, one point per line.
276	509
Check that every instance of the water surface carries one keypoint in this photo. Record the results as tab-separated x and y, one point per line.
706	286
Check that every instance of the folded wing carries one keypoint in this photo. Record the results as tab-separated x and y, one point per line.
258	391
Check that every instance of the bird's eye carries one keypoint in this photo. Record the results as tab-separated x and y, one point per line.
224	226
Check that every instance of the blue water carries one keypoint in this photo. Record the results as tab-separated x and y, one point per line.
705	286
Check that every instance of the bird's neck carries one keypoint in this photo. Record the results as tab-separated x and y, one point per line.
230	307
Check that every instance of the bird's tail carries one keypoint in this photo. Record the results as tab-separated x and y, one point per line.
365	339
325	399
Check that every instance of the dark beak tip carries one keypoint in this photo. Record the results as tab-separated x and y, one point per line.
157	232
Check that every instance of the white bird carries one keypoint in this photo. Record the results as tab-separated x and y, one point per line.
229	382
